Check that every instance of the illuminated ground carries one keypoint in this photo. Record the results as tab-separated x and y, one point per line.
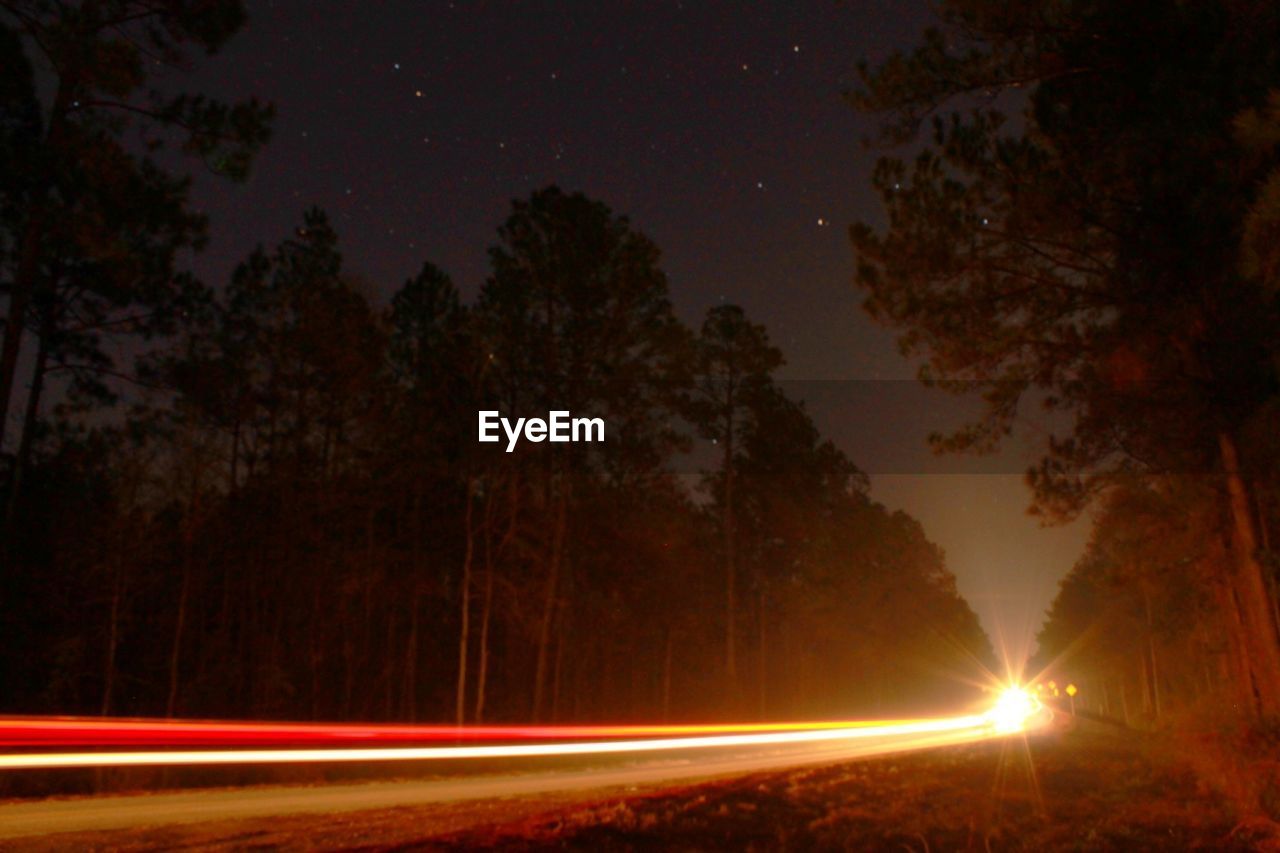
1089	792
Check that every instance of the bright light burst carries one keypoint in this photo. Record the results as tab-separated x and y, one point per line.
1012	709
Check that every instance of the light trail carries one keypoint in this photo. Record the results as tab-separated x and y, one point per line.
104	732
897	734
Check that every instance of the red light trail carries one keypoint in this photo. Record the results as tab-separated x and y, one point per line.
272	743
101	731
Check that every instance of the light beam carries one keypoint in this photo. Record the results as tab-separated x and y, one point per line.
1010	714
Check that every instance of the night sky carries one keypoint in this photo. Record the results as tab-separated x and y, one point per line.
718	128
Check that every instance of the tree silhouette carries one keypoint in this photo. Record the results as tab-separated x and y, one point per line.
1092	251
734	362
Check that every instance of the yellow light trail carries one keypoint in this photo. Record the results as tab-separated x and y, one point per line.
1005	718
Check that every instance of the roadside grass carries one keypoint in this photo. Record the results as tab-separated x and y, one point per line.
1064	791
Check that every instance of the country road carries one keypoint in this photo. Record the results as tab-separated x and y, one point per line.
25	819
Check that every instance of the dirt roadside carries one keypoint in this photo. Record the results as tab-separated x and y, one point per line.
1070	791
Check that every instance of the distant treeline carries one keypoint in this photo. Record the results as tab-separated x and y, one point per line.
294	518
280	506
1141	623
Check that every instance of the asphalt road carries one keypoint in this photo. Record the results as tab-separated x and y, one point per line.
25	819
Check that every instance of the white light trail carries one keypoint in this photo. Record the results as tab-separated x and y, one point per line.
964	728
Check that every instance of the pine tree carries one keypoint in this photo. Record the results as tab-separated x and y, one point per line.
91	221
1091	251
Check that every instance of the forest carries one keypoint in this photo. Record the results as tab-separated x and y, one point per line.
269	413
1089	228
264	497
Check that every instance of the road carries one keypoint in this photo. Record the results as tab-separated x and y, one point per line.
589	772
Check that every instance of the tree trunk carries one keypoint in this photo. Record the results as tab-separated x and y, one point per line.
367	641
762	681
486	614
20	292
1259	638
388	700
180	619
1264	531
233	475
416	565
411	661
29	421
557	668
666	674
175	652
348	662
1227	599
549	605
486	610
464	631
1145	660
482	664
113	627
730	558
22	286
1151	653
